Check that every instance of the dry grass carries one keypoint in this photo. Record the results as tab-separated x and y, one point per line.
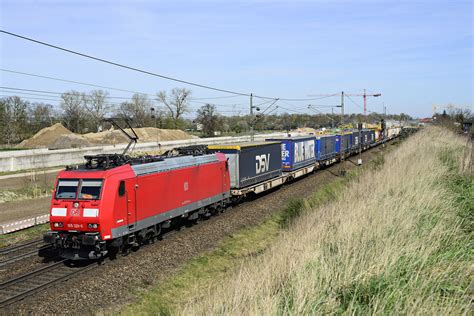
396	241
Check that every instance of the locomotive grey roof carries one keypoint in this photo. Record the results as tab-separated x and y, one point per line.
173	163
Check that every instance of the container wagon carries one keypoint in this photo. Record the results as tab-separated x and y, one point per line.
367	137
325	148
355	141
343	143
251	163
296	152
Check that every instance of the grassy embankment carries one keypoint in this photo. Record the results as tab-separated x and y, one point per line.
34	232
398	238
35	185
27	193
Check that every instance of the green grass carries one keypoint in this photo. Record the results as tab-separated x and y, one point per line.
26	193
454	253
23	235
12	149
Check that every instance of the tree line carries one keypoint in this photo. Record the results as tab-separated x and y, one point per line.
83	112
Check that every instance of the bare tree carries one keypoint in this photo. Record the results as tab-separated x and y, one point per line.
137	109
96	105
41	115
74	115
209	118
177	103
14	119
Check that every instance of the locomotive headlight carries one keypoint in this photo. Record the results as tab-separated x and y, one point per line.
57	225
93	226
76	204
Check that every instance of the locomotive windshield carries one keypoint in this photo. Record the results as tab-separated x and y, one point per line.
67	189
87	189
90	189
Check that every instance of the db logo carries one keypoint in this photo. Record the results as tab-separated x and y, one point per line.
74	212
262	163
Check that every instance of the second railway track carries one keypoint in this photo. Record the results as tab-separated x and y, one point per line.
24	285
18	252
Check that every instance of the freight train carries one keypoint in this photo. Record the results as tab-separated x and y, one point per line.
113	203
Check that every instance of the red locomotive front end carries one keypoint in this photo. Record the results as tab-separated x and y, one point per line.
103	207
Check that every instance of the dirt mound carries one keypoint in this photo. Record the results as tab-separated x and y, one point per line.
305	130
59	137
45	137
145	134
70	141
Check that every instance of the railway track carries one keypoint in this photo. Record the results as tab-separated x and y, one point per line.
19	252
24	285
17	288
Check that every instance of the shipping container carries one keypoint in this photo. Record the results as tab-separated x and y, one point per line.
393	132
251	163
355	140
344	140
296	152
368	137
325	147
378	135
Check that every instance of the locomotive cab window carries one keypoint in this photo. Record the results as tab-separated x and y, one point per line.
90	189
67	189
121	190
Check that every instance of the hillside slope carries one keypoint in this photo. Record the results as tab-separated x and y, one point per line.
396	240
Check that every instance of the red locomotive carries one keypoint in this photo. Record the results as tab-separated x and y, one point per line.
113	202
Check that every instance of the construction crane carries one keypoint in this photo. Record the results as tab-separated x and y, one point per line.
365	95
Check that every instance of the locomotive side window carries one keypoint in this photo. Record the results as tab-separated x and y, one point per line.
67	189
90	189
121	190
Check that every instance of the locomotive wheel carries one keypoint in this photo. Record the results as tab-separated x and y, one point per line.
113	251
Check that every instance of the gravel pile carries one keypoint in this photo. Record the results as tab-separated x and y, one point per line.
59	137
120	281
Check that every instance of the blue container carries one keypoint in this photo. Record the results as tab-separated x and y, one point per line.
344	140
368	137
372	136
296	152
325	147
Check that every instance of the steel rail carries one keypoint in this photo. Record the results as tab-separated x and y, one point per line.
24	285
6	250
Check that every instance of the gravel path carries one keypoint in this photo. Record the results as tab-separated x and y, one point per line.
117	282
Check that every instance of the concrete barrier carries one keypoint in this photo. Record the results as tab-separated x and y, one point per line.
44	158
14	226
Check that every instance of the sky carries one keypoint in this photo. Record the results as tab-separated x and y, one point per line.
415	53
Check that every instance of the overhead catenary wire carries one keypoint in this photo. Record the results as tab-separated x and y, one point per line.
58	100
92	85
289	110
141	70
268	107
322	113
52	94
358	105
122	65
